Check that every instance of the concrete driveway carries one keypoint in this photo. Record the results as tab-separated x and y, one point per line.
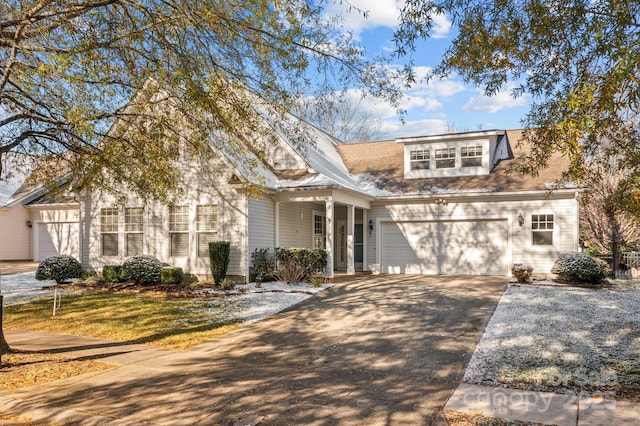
376	350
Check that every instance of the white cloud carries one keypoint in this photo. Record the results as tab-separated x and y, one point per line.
395	129
495	103
382	13
441	26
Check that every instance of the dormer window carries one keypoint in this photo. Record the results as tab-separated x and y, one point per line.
462	154
471	156
419	159
446	158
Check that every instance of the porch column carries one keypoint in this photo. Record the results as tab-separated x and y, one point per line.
329	243
351	215
276	237
365	237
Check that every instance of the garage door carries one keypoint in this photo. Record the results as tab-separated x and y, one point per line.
57	238
444	247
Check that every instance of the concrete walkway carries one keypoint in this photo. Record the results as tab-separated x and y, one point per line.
542	407
377	350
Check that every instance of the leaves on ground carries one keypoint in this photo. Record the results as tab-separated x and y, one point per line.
29	369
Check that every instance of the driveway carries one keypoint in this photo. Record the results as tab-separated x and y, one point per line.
376	350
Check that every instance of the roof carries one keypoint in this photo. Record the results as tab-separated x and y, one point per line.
16	168
383	161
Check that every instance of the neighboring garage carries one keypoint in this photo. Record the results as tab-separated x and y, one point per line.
54	238
478	247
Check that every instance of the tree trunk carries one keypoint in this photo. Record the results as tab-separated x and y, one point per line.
615	243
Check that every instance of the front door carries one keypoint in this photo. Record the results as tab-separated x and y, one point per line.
340	248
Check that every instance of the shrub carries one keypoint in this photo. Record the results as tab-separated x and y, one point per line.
143	269
227	284
262	266
59	268
578	267
171	275
219	259
112	273
298	265
521	272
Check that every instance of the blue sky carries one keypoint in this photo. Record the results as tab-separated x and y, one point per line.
439	106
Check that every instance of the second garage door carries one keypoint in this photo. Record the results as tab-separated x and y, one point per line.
444	247
57	238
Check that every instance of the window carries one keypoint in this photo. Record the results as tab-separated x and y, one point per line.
179	231
471	156
542	229
206	227
445	158
109	231
419	159
319	231
133	230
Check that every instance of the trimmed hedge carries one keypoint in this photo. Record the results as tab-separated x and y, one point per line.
219	259
143	269
171	275
579	268
59	268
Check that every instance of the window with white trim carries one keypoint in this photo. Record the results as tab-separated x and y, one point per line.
109	231
445	158
206	227
471	156
133	230
319	231
179	231
419	159
542	229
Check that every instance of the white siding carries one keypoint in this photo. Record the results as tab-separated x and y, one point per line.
201	188
296	223
15	235
494	208
261	223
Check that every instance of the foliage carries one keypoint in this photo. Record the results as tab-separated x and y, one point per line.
219	252
59	268
578	267
608	222
299	264
78	73
521	272
112	273
262	266
576	60
317	281
142	269
171	275
227	284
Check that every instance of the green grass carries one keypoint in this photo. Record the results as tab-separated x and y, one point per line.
165	322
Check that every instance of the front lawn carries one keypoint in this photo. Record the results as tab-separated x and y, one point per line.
173	323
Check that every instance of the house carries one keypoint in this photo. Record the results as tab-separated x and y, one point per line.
34	225
441	204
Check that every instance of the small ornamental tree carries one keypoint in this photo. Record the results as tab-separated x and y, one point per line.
59	268
219	260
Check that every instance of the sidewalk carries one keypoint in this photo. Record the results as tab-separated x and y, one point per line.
542	407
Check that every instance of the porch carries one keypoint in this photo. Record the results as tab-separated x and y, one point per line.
333	219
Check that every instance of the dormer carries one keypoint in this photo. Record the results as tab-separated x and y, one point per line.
460	154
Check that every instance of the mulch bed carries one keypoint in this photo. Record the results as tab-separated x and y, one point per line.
160	290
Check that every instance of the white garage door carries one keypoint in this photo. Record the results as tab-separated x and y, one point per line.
57	238
444	247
